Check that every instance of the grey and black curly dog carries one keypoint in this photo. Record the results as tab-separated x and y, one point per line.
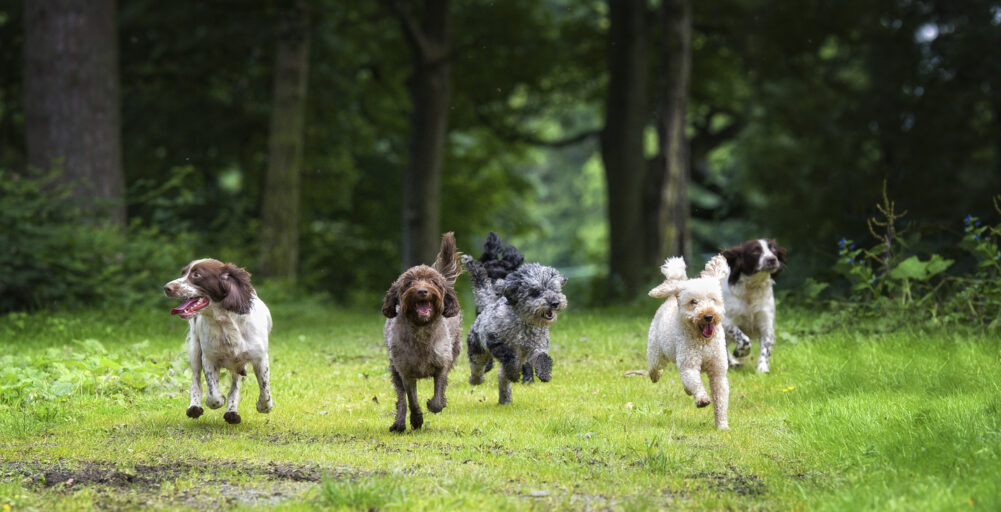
516	303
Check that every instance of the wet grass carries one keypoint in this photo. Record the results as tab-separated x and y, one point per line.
847	420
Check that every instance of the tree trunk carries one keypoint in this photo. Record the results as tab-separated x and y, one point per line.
430	94
281	198
622	144
674	212
72	101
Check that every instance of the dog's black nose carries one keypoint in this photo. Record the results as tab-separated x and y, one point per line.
707	318
166	289
422	292
771	260
554	304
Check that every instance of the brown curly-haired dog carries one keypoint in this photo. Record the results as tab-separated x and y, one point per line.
422	331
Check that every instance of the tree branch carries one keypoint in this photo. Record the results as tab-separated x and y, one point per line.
411	29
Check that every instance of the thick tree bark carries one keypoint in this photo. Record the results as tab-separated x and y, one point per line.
430	94
72	100
673	212
281	198
622	144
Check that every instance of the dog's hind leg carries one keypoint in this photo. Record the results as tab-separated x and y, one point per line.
691	378
400	423
214	399
233	400
438	401
721	399
480	360
416	416
195	359
504	385
506	357
527	376
263	373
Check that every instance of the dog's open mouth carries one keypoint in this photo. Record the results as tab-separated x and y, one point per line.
189	307
549	315
424	309
708	330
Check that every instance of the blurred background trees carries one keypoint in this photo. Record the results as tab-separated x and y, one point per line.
578	129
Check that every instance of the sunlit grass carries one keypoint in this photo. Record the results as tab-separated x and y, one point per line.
846	421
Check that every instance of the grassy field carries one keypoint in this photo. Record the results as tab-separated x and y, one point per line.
92	416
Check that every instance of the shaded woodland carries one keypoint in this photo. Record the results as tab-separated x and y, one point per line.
328	143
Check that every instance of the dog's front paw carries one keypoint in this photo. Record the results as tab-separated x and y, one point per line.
466	260
215	402
434	406
543	365
476	380
195	411
742	348
762	366
398	426
416	420
736	364
265	405
655	376
702	402
231	417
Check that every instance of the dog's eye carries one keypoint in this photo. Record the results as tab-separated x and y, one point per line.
693	302
535	293
196	274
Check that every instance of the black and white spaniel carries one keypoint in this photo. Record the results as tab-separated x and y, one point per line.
228	328
748	298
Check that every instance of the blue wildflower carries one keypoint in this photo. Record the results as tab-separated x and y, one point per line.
968	219
976	237
851	260
842	243
852	246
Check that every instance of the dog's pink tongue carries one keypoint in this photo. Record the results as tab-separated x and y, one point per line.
707	330
184	305
424	309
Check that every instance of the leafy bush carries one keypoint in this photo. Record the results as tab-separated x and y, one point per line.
87	369
882	284
50	256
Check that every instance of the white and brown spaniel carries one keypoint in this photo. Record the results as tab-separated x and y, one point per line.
748	298
228	328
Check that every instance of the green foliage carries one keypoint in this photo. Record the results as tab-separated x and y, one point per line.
925	289
88	369
53	257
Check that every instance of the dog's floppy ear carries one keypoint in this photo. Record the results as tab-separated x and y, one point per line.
391	301
716	268
450	303
780	253
236	282
665	289
735	260
510	289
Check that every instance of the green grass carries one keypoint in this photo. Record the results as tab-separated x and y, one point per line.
846	421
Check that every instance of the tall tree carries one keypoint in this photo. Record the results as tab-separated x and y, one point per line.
430	41
626	114
72	100
281	198
671	223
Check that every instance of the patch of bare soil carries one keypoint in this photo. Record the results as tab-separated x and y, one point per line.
733	480
146	475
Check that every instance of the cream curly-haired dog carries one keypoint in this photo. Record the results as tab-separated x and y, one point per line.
686	331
